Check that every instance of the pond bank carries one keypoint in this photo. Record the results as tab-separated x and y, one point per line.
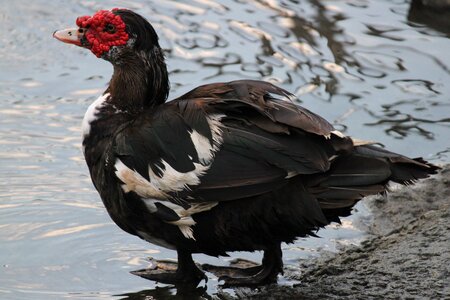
406	256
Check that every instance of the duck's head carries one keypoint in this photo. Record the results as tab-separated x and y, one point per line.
113	35
130	43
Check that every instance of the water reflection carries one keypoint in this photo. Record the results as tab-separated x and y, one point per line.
367	66
168	293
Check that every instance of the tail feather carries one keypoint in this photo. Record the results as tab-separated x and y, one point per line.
357	170
404	170
367	170
354	193
406	173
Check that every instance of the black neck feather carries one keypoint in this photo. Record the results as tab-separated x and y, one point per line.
140	81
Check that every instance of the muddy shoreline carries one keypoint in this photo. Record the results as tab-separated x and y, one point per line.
407	255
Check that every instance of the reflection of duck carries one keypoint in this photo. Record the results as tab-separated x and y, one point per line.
433	13
167	292
226	167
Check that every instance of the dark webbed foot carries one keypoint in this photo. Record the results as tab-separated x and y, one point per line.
238	268
172	276
185	272
160	270
258	275
261	278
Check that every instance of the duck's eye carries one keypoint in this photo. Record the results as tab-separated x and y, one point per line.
110	28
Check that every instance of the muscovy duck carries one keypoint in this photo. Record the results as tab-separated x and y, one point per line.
226	167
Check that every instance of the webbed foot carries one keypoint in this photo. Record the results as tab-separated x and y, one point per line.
261	278
272	265
185	272
238	268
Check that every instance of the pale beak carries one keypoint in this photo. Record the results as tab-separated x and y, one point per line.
71	36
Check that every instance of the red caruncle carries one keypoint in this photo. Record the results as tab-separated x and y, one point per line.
104	30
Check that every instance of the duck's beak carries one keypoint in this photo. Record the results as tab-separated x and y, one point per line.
72	36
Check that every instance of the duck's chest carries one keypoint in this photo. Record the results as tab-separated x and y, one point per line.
100	125
93	114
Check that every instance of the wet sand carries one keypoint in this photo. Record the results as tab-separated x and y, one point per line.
407	255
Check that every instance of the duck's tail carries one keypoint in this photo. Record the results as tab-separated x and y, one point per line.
366	170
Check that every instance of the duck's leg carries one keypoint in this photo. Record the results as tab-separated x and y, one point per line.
272	265
185	273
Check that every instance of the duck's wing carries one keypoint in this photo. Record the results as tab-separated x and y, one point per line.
236	143
269	100
266	137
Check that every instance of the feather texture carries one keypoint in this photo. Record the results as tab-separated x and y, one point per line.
234	159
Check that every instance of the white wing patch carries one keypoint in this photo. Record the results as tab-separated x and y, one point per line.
336	133
133	181
203	147
171	180
186	221
157	188
174	181
291	174
206	150
358	142
216	130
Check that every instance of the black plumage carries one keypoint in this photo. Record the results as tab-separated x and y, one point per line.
226	167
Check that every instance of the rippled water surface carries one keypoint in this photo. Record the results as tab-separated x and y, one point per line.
376	69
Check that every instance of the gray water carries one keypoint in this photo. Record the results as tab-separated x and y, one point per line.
375	69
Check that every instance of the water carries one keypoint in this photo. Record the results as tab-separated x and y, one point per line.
373	68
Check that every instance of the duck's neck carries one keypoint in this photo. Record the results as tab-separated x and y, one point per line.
140	81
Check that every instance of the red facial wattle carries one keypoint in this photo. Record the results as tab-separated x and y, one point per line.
99	37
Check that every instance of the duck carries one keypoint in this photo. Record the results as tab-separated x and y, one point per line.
228	166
